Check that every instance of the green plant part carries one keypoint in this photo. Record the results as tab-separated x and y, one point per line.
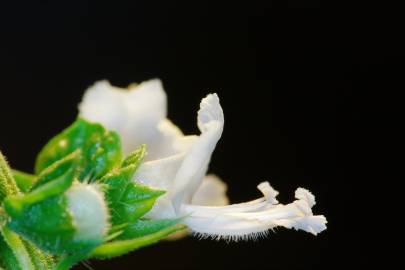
16	253
120	247
73	221
101	149
7	183
7	257
116	248
57	215
19	250
23	254
24	180
129	200
135	158
143	227
40	259
61	213
61	171
77	221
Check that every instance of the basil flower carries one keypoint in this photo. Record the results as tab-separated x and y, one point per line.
178	164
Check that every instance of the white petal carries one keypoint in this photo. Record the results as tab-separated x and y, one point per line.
161	174
181	173
212	192
147	109
253	219
103	103
138	114
147	97
195	165
167	144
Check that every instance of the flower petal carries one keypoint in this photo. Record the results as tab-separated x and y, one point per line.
194	167
253	219
212	192
161	174
181	173
138	114
103	103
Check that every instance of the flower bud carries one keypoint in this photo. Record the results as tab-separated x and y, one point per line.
89	212
71	222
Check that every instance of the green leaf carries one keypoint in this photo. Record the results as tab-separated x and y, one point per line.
24	180
15	253
42	216
68	261
41	260
7	257
17	246
135	158
120	247
101	149
136	201
7	183
127	199
12	250
144	227
116	182
47	223
62	170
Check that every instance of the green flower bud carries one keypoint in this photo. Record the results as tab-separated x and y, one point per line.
74	221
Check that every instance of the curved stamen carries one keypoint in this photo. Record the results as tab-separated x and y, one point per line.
255	219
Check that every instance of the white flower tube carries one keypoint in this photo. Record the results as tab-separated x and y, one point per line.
178	164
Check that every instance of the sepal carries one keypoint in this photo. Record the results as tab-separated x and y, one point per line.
60	223
101	149
144	227
23	180
129	200
120	247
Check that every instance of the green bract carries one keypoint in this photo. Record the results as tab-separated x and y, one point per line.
129	200
43	216
16	253
23	180
81	203
101	149
144	227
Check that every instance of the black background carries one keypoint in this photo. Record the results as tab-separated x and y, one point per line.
298	88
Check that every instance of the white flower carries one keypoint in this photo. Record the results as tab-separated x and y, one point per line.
178	164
